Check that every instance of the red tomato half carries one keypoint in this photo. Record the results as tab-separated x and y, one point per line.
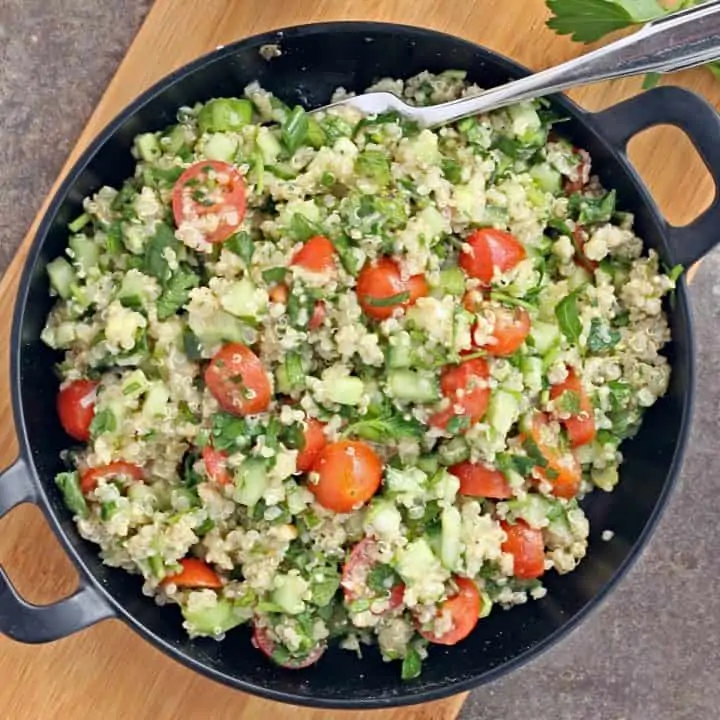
580	426
194	574
381	289
355	572
464	609
210	189
563	470
216	465
490	249
526	546
262	641
318	316
510	330
315	441
349	474
316	255
89	479
479	480
76	408
238	381
465	385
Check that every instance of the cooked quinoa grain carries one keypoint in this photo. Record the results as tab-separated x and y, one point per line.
343	378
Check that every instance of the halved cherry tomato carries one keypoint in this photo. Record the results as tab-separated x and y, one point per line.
464	609
89	479
490	249
238	381
76	408
210	188
262	641
579	238
526	546
465	385
194	574
583	172
279	293
381	289
216	465
580	426
349	474
472	300
316	255
355	572
563	470
479	480
315	441
318	316
510	330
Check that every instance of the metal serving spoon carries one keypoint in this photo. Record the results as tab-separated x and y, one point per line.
678	41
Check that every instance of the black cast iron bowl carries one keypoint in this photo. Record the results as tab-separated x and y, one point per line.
315	60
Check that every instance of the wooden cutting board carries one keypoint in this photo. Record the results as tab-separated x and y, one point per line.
108	671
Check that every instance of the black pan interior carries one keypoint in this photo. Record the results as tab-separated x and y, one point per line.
315	60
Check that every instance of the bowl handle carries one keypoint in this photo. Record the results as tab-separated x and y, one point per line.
701	123
30	623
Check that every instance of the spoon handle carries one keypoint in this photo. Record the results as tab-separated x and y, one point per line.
680	40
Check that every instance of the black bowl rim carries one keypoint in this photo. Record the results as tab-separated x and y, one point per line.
401	699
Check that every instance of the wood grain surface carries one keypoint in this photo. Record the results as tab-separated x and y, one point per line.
108	671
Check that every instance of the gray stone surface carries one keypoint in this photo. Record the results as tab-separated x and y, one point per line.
651	651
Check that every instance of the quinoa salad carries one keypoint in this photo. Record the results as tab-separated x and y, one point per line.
346	380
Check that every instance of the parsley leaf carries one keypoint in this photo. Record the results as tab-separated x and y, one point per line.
154	261
589	210
521	464
104	421
568	316
69	484
589	20
602	337
411	664
323	591
295	129
382	578
390	427
242	245
176	292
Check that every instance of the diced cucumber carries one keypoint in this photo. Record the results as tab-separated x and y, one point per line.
431	223
579	277
269	145
290	376
288	593
79	223
62	277
453	451
399	352
416	561
64	334
346	390
135	384
383	520
225	114
503	411
606	478
307	208
450	545
214	620
429	464
410	481
156	400
533	509
133	291
526	123
315	134
532	371
218	327
148	147
220	147
544	336
179	138
411	385
251	482
451	281
243	299
547	178
85	252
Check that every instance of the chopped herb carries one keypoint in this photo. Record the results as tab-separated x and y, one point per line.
381	429
374	164
242	245
411	664
154	261
451	170
591	210
323	591
69	484
176	292
457	424
520	464
568	316
274	275
569	402
104	421
294	129
303	229
191	345
602	337
388	301
382	578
